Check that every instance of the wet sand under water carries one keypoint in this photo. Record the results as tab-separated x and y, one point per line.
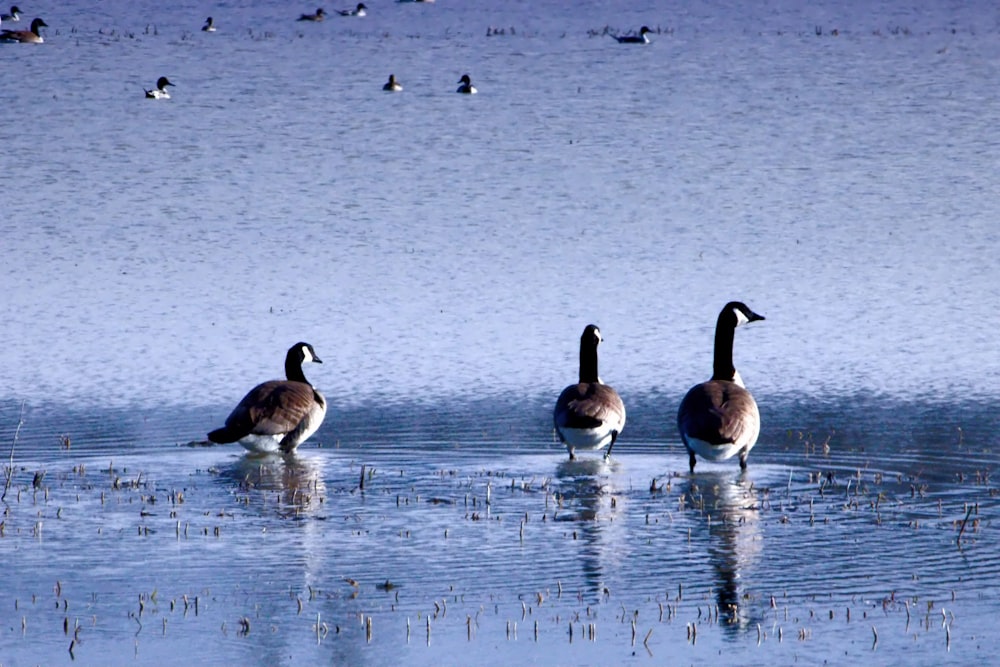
472	548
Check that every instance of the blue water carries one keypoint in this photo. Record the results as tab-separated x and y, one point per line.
841	186
443	253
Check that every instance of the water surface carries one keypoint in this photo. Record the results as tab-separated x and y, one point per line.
443	254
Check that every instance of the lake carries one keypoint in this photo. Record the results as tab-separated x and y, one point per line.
831	165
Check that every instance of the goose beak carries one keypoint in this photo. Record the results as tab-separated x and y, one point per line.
754	317
319	361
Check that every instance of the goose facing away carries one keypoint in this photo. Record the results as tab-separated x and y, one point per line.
466	88
590	414
160	92
635	39
719	418
277	415
31	36
209	25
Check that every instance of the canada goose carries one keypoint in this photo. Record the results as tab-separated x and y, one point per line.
392	85
318	16
160	92
15	14
280	414
31	36
209	25
358	11
589	414
466	88
635	39
719	418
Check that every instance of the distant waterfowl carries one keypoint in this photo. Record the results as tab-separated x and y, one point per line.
635	39
392	85
15	14
590	414
31	36
160	92
719	418
318	16
423	1
358	11
466	88
209	25
277	415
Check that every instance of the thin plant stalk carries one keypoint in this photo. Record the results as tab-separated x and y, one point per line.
10	465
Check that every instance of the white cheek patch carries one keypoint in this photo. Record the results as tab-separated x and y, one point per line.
740	317
306	354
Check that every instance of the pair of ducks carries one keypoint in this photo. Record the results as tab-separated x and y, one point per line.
465	85
359	11
717	419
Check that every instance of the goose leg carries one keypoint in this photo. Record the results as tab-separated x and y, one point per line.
691	459
614	437
294	437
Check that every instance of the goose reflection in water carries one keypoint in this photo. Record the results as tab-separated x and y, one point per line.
284	501
297	480
589	498
730	518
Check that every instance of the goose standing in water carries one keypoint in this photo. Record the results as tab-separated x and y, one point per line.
719	418
277	415
31	36
589	414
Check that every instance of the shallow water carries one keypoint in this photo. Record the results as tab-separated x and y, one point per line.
443	254
159	551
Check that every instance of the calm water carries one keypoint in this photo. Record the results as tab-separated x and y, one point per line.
443	253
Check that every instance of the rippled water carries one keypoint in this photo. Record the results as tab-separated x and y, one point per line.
443	254
484	541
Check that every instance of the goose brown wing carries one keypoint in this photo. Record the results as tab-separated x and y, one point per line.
272	408
589	405
719	413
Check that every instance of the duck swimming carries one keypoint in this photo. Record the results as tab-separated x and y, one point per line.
160	92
